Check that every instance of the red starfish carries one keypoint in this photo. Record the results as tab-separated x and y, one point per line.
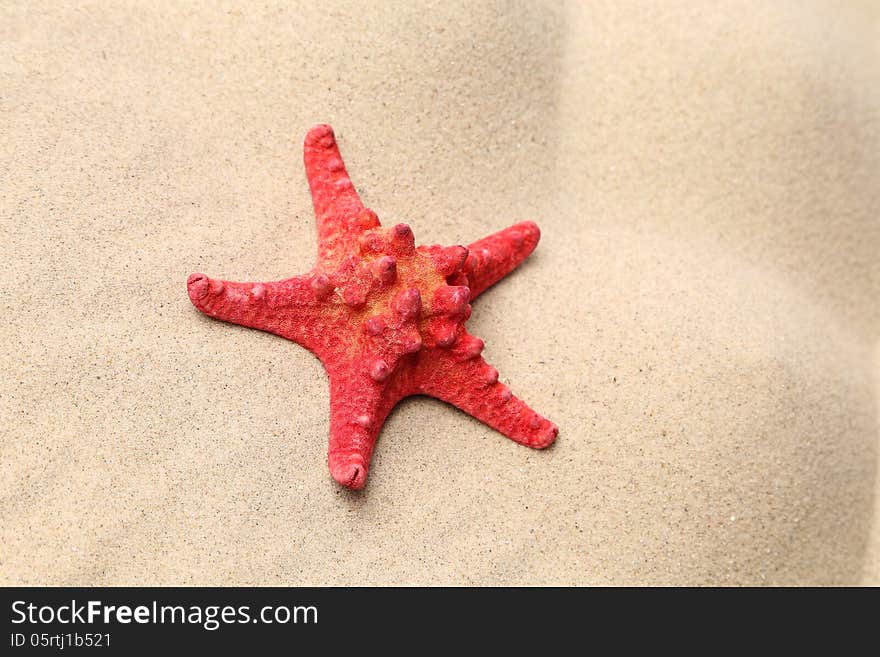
385	317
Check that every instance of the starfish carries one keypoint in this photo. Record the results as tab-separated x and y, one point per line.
386	318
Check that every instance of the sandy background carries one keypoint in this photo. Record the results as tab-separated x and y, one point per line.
700	318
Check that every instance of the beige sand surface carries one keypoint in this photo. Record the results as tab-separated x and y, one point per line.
700	318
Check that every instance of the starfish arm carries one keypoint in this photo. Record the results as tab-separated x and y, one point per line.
472	385
494	257
339	212
358	408
285	307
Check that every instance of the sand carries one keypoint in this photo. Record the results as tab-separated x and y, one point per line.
700	318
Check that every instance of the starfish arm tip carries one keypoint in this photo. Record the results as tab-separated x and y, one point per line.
197	287
530	227
349	473
351	446
544	436
492	258
208	295
521	424
318	132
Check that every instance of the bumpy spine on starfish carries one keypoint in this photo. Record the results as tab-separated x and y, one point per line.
385	317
